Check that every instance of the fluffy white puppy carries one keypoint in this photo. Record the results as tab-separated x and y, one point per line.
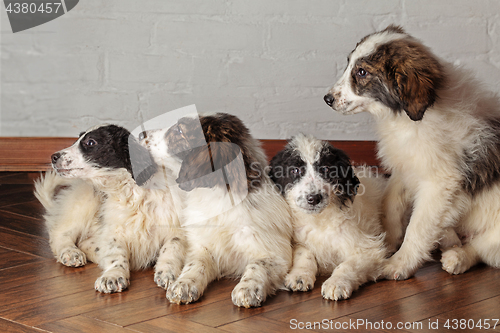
237	225
439	137
132	226
336	217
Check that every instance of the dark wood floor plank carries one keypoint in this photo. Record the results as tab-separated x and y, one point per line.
41	310
7	326
462	292
11	194
23	224
368	296
263	325
30	209
35	273
25	243
153	307
172	324
50	288
470	318
9	259
82	324
18	177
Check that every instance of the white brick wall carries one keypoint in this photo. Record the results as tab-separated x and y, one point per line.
268	61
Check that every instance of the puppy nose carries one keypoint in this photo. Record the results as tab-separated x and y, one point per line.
314	199
329	99
55	157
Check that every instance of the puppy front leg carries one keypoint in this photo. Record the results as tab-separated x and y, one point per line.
303	273
170	260
260	279
199	271
395	203
352	273
62	243
457	260
436	208
115	265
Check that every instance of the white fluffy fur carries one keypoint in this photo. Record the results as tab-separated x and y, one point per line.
115	222
345	242
72	226
426	161
250	239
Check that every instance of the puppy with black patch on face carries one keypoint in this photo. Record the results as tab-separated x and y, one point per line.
336	217
237	225
132	226
439	138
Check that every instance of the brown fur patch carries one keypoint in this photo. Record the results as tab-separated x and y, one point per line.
226	136
402	74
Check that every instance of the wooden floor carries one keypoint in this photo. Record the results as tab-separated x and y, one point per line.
37	294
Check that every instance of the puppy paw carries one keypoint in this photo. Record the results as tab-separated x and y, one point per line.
394	269
454	261
248	294
111	283
164	278
336	289
73	257
183	292
299	282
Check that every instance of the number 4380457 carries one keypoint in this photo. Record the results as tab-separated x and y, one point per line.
463	324
33	8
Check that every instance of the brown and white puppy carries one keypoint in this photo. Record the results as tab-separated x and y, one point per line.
236	223
108	212
439	136
336	212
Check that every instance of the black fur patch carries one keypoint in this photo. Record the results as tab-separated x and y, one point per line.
335	167
114	147
286	169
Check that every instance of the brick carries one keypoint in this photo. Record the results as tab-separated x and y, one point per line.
202	7
29	67
264	8
453	37
140	68
199	36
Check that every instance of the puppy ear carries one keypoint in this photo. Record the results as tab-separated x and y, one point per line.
276	170
417	76
347	184
216	164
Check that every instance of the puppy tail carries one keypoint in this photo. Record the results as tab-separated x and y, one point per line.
46	186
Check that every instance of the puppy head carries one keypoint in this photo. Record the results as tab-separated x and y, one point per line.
388	71
102	148
312	174
224	158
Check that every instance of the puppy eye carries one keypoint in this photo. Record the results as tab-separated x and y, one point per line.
362	73
179	129
324	170
142	136
296	172
90	142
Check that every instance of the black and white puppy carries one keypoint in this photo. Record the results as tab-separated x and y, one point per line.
336	217
439	137
131	226
236	224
